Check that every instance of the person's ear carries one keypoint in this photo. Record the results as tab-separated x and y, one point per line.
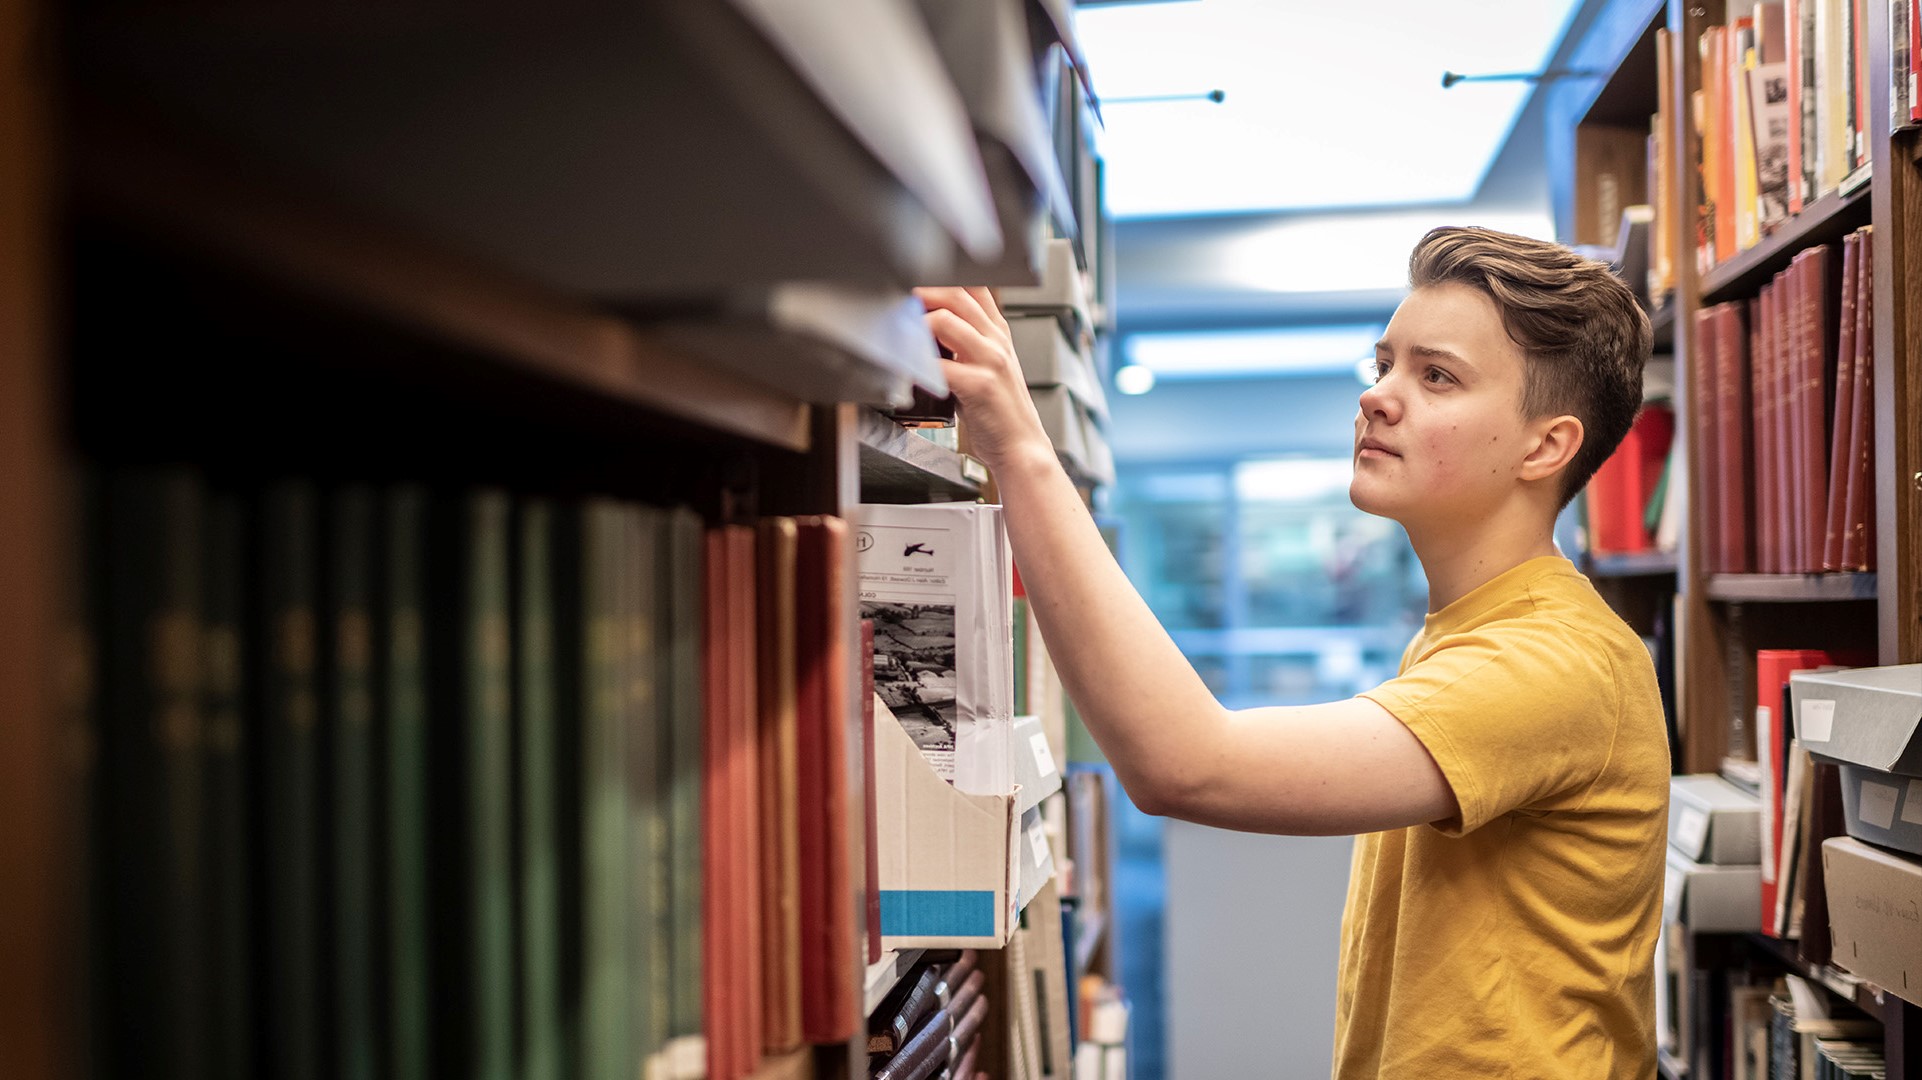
1556	444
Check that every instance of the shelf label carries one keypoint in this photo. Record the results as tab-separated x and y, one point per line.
1877	804
1912	803
1043	757
1816	720
1691	832
1673	882
1038	844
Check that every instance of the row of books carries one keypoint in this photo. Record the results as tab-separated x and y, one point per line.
405	782
931	1023
1627	497
1784	116
1784	392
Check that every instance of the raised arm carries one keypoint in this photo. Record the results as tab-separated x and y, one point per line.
1343	767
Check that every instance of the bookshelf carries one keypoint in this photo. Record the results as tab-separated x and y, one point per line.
1721	620
484	268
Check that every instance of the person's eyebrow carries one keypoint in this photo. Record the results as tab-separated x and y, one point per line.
1427	352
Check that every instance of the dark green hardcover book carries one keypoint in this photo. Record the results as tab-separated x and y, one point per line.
351	554
290	721
486	769
79	627
151	777
407	1016
682	570
229	912
536	756
648	931
604	814
568	597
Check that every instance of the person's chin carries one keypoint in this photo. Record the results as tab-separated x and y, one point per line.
1369	499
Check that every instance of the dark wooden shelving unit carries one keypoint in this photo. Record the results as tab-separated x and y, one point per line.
1790	588
1635	565
1825	221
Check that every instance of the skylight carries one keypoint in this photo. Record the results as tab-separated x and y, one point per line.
1222	354
1327	105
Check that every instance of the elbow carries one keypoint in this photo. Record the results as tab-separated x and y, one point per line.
1156	794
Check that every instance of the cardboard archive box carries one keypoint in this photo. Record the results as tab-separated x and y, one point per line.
955	868
1869	722
1875	914
1712	821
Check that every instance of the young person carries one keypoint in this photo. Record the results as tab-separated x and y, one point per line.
1510	786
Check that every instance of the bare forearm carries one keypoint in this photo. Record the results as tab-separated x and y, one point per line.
1154	718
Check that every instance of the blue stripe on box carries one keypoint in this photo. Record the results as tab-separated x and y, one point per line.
937	912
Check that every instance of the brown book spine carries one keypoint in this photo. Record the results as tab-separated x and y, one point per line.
969	993
1702	441
1825	819
1762	356
744	718
1858	541
1834	513
1732	428
919	999
1810	402
925	1052
871	829
967	1030
830	1012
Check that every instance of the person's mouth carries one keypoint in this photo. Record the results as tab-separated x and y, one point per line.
1372	447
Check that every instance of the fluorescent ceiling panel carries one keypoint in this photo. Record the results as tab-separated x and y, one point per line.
1227	354
1328	105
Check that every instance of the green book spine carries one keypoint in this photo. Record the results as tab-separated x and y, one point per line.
604	815
536	762
404	701
290	717
682	654
647	823
152	759
1022	706
487	768
350	558
229	912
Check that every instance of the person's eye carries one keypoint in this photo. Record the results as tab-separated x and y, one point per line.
1438	377
1376	369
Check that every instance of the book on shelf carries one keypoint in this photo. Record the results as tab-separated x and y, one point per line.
349	616
937	582
830	1008
1627	491
1780	116
777	732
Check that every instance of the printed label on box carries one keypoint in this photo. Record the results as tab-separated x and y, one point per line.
1043	757
1038	843
1816	720
1912	803
1878	804
1692	831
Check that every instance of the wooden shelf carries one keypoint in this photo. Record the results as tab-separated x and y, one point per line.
899	466
793	1065
1636	564
1790	588
1826	220
358	272
1842	984
885	973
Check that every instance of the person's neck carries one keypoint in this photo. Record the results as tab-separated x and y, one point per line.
1458	560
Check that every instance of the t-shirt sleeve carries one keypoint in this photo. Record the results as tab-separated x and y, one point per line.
1518	717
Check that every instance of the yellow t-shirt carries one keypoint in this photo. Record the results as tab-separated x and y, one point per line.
1519	940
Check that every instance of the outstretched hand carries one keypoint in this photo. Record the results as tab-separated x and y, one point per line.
984	375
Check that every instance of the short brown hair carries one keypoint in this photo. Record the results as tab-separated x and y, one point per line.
1585	336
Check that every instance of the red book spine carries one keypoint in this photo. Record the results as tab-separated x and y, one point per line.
1609	522
1834	513
1788	322
1703	443
1732	428
1762	355
1858	545
829	1010
1811	481
716	813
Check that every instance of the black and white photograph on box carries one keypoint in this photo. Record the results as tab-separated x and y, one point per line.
914	670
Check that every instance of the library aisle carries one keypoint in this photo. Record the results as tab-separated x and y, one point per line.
496	584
